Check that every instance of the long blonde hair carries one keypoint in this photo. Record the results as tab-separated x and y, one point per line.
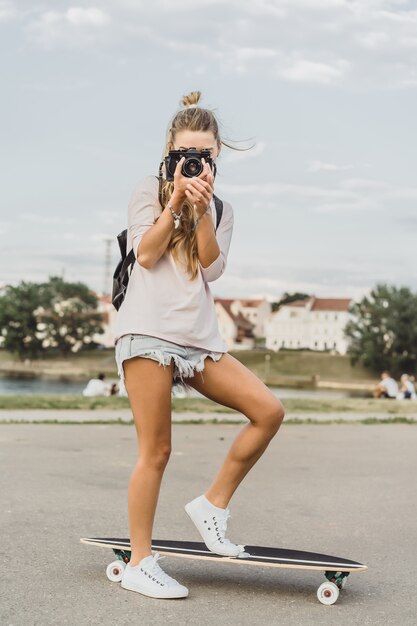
183	242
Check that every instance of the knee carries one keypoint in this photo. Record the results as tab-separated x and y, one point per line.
157	458
273	416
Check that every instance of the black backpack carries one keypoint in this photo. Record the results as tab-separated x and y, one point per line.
125	265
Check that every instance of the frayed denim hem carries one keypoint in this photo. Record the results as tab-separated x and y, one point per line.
190	369
182	367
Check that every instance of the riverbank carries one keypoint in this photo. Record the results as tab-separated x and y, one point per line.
302	369
201	406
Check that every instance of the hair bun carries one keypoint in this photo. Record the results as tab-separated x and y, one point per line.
191	100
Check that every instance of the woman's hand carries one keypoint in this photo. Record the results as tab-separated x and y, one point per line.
199	190
180	182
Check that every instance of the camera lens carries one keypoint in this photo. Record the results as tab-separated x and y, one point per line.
192	167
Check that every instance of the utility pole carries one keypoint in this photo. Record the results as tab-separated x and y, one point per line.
107	266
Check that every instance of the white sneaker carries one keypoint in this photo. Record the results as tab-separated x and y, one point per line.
211	523
148	578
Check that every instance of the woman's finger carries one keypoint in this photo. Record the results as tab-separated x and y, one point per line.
198	183
198	198
206	191
179	166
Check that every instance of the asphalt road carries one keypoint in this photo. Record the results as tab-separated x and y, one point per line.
347	490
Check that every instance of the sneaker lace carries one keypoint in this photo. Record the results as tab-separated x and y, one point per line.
156	570
222	526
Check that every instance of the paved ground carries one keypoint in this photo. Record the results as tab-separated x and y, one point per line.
125	415
342	489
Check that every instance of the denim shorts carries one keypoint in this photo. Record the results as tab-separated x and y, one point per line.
187	359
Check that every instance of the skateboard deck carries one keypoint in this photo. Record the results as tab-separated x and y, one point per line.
336	568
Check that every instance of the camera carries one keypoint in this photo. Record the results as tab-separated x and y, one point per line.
192	165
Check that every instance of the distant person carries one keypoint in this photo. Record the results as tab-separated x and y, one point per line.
407	389
114	389
96	387
387	387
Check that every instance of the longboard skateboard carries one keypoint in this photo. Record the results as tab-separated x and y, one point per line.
336	569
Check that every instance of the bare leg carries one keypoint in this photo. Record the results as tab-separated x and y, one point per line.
231	384
148	385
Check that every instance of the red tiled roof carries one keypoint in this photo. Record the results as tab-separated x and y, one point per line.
322	304
331	304
252	302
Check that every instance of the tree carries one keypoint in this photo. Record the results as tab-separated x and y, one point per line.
383	331
17	319
287	298
39	318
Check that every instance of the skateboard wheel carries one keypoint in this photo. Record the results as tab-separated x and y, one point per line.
328	593
114	571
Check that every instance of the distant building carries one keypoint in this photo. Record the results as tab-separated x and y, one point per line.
240	321
313	323
236	330
255	311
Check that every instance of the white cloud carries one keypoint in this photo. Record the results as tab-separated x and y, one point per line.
8	11
355	44
237	283
74	27
96	17
318	166
312	71
37	218
352	194
373	40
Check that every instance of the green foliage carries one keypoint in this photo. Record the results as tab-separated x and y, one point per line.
287	298
42	317
383	333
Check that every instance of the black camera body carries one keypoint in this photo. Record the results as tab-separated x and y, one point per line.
192	165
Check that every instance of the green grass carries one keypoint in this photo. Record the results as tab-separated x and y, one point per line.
204	405
367	421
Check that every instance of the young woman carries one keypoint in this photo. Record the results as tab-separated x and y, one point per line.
168	319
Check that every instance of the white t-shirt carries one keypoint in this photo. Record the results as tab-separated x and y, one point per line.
96	387
390	386
410	387
163	301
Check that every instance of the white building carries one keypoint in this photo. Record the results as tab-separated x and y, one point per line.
255	311
235	329
313	323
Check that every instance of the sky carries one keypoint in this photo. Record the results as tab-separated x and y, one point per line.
325	203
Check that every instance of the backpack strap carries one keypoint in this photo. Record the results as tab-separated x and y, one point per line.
219	209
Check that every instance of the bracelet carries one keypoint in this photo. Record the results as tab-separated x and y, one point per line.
195	223
176	216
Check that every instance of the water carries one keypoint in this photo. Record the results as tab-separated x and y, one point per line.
39	386
16	386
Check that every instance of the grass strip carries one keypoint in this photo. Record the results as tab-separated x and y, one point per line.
204	405
368	421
